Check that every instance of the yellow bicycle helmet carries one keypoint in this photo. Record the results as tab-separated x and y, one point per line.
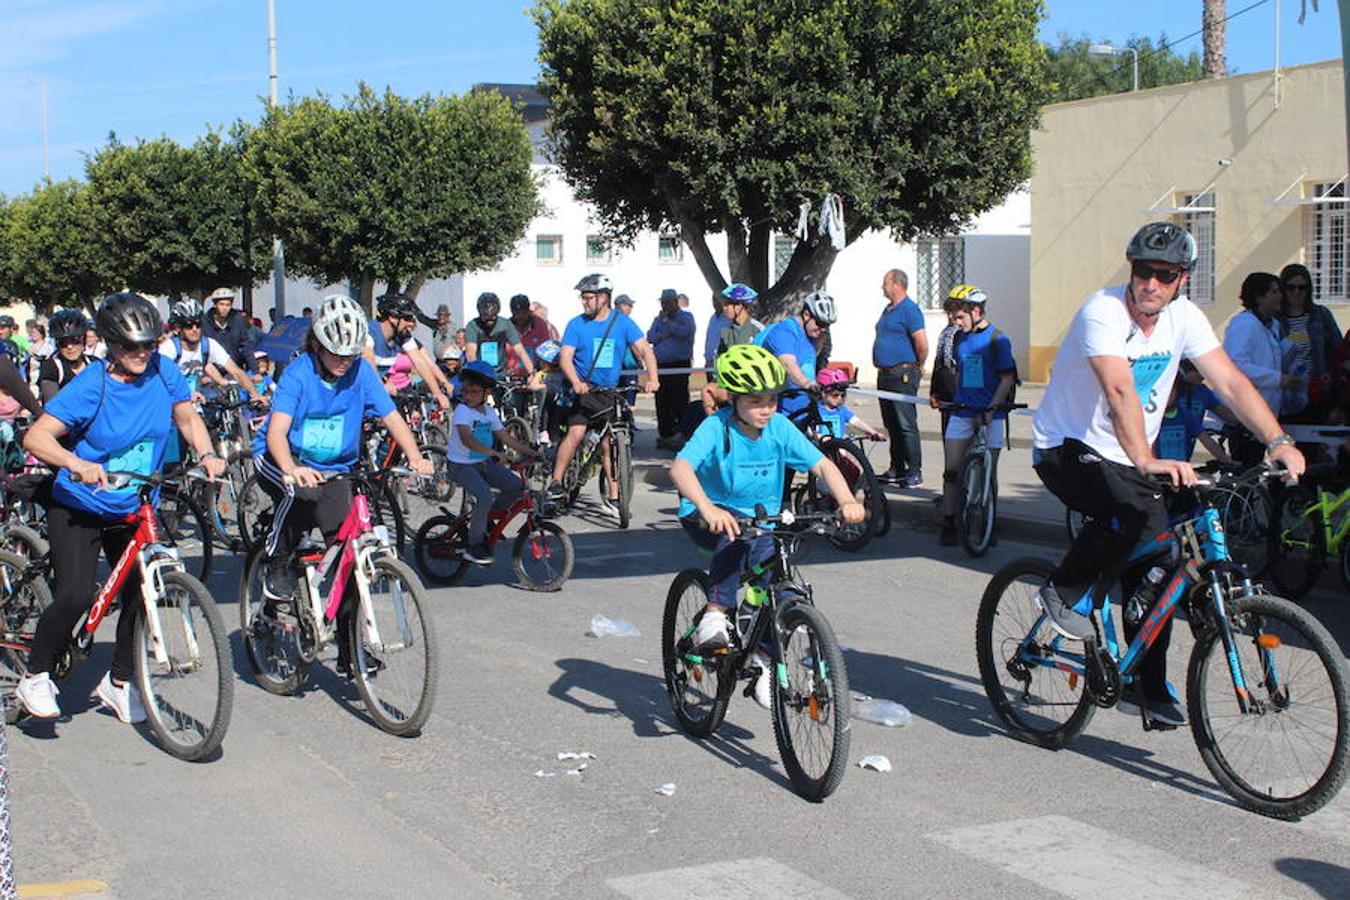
968	293
750	369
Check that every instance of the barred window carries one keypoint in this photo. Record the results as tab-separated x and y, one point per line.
783	248
669	248
1325	236
548	249
941	266
1198	218
598	253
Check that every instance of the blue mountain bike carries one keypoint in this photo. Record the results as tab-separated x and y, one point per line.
1266	685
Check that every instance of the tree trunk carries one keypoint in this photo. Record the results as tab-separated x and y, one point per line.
1212	20
738	257
761	252
806	272
415	286
366	292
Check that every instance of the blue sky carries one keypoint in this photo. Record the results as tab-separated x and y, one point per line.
145	68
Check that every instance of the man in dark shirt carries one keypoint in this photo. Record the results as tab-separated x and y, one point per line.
229	328
672	340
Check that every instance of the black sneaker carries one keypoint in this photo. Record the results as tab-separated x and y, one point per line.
889	477
947	536
1160	712
373	666
279	587
479	553
556	491
1063	618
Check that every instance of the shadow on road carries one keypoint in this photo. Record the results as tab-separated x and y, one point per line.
1327	879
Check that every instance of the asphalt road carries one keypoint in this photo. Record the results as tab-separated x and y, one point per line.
309	799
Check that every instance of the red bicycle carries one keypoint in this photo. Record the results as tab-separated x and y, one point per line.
542	555
182	661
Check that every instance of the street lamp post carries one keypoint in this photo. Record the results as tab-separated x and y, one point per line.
278	250
1109	50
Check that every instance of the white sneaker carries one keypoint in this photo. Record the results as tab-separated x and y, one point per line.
763	683
38	693
713	632
124	701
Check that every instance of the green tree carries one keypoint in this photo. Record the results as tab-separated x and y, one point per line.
1075	74
175	217
727	115
53	250
388	188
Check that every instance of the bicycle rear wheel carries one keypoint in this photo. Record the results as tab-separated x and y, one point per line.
542	556
862	481
23	541
23	597
438	548
397	676
1287	755
182	524
811	703
975	515
1298	549
253	509
273	650
1246	515
699	689
1018	653
189	696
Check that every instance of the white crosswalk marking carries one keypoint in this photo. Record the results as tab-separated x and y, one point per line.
1078	860
738	879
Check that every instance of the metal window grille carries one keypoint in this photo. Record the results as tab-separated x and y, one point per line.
1200	223
1325	249
597	251
783	248
548	249
940	266
669	249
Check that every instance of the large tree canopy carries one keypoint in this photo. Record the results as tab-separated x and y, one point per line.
51	248
174	217
726	115
387	188
1076	74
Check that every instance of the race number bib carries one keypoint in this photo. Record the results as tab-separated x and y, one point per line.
603	352
490	353
972	371
321	438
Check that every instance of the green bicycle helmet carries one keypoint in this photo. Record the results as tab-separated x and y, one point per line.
750	369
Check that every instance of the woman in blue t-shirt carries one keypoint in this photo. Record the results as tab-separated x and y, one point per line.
116	415
315	432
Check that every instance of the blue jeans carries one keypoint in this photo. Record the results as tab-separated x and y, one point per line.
478	480
730	559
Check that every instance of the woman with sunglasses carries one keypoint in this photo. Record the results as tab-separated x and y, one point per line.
68	327
116	415
1311	336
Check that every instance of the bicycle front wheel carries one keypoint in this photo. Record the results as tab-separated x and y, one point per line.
23	597
862	482
1032	674
811	703
273	649
190	693
253	509
975	515
1286	756
698	694
395	674
623	473
542	556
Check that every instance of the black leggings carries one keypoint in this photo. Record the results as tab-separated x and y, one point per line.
297	509
1125	506
75	539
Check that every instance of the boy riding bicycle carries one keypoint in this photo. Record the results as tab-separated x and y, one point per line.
733	465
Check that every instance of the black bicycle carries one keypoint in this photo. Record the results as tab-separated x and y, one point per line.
808	494
810	683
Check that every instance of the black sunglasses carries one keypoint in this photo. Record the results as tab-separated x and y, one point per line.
1143	271
147	346
70	342
1300	286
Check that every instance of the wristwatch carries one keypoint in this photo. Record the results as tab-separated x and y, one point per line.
1278	441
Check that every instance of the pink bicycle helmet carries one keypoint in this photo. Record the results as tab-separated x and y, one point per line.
828	377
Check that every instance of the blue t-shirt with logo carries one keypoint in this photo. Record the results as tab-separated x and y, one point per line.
737	472
785	338
326	417
1184	423
894	342
982	357
836	420
587	336
125	426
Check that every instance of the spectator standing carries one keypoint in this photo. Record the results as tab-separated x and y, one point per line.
672	340
1311	336
442	331
229	328
719	321
1252	340
899	351
541	311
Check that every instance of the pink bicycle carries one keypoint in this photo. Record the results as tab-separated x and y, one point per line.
358	593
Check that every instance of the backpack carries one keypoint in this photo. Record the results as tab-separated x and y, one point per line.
1017	376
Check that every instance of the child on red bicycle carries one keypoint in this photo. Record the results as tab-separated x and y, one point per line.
117	414
838	418
474	463
734	462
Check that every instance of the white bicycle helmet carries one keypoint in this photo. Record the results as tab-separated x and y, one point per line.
821	307
340	325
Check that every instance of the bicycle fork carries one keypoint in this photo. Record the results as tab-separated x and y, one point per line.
153	561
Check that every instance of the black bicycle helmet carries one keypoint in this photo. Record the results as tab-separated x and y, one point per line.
395	304
1163	242
128	318
595	283
519	304
68	323
489	305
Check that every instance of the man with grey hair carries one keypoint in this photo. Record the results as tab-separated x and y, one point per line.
898	352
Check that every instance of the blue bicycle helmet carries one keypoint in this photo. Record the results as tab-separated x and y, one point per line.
740	293
482	371
548	351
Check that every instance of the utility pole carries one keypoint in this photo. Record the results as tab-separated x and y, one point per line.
1212	21
278	252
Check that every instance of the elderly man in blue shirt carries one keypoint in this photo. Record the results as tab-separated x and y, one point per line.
672	340
898	353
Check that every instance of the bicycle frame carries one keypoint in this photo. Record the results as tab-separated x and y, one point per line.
1327	506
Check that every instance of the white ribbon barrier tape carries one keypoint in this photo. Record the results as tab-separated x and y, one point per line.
1319	434
916	399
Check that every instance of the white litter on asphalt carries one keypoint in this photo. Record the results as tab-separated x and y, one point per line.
667	789
569	754
639	661
875	763
883	712
542	774
578	770
602	626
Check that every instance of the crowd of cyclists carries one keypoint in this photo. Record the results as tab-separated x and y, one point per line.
122	393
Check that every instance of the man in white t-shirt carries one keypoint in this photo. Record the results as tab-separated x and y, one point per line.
197	355
1095	429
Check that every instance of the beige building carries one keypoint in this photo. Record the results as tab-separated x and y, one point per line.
1255	167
